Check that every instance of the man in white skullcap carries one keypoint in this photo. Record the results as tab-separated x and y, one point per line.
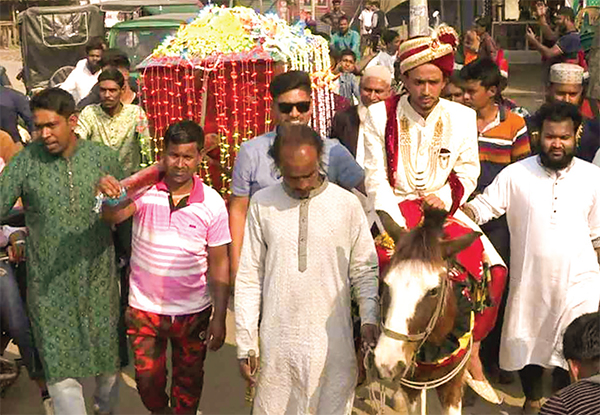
375	86
567	83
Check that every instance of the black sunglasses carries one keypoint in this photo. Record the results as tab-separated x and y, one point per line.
287	107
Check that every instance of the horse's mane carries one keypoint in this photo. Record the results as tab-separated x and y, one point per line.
422	243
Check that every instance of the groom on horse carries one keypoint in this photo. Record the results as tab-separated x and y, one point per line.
422	151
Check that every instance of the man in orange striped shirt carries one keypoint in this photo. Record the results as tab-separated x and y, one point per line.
503	139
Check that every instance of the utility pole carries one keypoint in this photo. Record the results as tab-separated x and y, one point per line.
419	18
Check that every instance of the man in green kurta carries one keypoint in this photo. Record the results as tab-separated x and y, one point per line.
122	127
73	295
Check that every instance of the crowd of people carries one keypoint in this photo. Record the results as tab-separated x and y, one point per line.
298	241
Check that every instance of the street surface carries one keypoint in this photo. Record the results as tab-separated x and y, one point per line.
224	391
223	387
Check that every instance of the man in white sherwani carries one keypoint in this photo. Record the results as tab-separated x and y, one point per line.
306	244
414	142
552	204
418	146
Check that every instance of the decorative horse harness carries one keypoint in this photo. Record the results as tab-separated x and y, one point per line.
422	338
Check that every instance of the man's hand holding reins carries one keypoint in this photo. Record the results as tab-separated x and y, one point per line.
434	202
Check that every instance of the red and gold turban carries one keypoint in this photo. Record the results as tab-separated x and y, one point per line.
437	49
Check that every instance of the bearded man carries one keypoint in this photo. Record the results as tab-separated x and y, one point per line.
82	79
566	83
552	205
568	43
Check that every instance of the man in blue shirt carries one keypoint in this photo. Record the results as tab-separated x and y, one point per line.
13	105
567	47
254	169
346	38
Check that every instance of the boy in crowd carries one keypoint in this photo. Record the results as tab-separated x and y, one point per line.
348	82
454	89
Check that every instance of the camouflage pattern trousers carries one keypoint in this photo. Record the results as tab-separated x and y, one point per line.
149	334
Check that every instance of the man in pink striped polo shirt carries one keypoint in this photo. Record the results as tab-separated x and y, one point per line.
179	283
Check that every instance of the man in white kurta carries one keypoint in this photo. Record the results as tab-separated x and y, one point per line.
553	216
300	259
554	221
84	76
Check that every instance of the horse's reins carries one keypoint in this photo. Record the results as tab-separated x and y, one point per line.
421	338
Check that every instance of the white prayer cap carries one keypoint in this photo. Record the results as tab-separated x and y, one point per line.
379	72
566	73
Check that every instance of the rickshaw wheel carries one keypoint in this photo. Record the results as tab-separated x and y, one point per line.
60	76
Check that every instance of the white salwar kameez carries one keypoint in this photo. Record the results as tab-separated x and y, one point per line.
553	217
299	259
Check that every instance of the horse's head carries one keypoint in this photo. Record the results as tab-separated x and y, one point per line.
413	290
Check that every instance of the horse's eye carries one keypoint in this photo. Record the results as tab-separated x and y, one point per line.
433	292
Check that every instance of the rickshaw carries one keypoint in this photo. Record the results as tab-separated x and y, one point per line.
53	40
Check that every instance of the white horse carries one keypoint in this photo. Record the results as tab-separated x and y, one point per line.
420	310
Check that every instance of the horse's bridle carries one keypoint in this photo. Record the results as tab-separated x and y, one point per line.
422	336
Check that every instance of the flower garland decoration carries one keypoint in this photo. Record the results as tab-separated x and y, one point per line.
217	69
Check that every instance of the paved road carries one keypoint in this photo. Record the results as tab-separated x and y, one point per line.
11	60
525	86
224	391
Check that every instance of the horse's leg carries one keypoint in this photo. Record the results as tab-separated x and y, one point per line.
450	395
406	401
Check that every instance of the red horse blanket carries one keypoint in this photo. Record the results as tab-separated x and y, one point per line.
490	281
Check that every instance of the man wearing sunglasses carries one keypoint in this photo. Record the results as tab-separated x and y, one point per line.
254	169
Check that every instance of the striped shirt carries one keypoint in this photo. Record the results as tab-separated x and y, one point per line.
504	141
169	249
580	398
